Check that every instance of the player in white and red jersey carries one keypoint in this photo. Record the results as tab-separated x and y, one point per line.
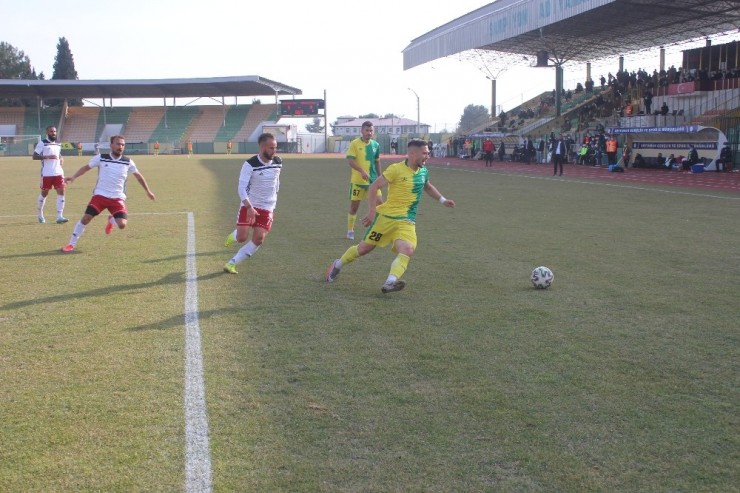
49	152
259	182
110	189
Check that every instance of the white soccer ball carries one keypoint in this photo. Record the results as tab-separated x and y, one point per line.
542	277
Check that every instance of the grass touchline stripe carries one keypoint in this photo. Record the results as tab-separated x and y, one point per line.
197	454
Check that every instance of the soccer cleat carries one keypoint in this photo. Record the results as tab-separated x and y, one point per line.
68	248
332	272
42	220
230	240
108	226
62	220
396	285
350	235
230	268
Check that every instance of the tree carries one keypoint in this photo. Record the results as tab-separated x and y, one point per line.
316	127
64	69
473	116
369	115
14	64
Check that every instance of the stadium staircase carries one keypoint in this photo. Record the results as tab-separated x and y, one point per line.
111	116
235	118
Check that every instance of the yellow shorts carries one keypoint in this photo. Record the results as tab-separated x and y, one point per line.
385	231
359	192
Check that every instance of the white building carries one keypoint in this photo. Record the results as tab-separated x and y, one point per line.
395	127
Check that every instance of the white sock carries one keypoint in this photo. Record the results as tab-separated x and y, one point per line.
79	229
391	279
60	205
42	202
112	221
244	253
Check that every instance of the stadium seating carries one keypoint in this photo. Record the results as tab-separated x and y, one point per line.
142	122
80	124
206	125
172	126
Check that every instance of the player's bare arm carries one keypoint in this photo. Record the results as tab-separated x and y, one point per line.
353	164
379	183
140	178
79	173
432	191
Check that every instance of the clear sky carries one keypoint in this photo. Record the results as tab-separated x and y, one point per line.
350	49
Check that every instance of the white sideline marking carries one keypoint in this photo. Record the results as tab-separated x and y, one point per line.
197	453
583	182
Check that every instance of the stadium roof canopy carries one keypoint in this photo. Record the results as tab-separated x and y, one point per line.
248	85
575	30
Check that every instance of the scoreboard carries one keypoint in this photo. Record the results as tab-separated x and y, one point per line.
301	107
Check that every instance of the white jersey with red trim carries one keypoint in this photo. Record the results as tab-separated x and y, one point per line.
50	167
112	175
259	182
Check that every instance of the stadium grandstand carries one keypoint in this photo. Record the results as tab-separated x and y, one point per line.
699	98
208	127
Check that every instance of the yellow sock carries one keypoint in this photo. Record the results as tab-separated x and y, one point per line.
350	255
399	265
351	218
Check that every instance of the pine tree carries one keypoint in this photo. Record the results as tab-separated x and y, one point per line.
64	69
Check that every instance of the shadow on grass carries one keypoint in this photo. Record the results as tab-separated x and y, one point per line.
178	321
182	256
173	278
47	253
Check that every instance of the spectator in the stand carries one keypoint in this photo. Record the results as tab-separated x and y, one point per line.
626	155
559	155
670	162
541	151
664	109
602	80
725	158
611	150
488	149
530	151
648	98
691	159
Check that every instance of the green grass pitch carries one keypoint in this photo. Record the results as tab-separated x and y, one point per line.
621	377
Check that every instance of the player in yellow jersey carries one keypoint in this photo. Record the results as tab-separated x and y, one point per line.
394	221
364	159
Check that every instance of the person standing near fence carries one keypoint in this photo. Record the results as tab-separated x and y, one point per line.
49	152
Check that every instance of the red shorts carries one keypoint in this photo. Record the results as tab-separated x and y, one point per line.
97	204
262	218
49	182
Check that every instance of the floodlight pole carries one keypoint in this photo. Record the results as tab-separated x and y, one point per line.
418	118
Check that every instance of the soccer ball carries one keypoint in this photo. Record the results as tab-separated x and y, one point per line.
542	277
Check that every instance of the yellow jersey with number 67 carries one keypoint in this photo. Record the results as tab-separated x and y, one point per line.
365	154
